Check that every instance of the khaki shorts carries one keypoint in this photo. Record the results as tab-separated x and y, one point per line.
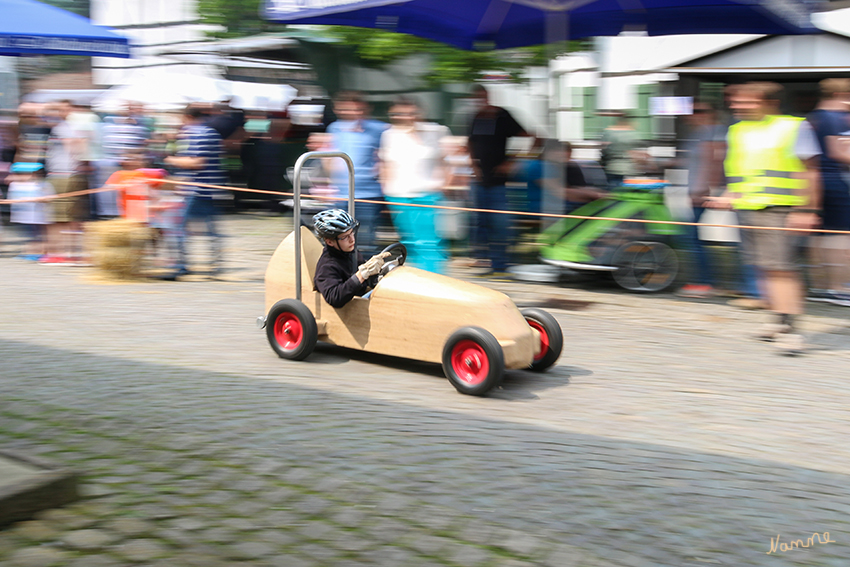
773	250
67	209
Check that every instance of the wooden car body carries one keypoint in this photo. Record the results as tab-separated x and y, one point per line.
411	313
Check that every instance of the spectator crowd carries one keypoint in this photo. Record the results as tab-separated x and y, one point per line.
407	165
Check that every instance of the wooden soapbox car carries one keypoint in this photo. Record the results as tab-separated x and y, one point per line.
474	332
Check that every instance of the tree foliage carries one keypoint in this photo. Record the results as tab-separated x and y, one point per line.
237	18
378	48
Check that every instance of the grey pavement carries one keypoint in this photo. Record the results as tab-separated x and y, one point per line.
666	436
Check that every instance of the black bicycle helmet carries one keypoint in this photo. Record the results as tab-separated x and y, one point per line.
333	222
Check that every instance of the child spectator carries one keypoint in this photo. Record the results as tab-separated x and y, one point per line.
134	186
27	182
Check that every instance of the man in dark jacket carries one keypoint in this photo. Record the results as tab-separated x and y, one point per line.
339	276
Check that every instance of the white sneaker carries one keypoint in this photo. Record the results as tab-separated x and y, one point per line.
837	298
790	344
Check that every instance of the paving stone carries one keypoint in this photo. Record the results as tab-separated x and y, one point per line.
247	509
66	518
96	561
220	535
88	540
315	530
426	544
178	538
249	550
243	524
349	517
36	530
276	537
38	557
130	526
351	541
519	542
188	524
142	550
468	555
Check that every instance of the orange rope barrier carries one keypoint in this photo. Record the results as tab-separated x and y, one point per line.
441	207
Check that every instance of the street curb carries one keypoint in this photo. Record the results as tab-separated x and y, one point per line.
49	486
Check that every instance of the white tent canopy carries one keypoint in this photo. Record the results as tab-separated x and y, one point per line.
163	91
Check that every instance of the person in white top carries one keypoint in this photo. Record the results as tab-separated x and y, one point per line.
413	172
27	182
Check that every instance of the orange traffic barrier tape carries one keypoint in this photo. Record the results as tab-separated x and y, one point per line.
441	207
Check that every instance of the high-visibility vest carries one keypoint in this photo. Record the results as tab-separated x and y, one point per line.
761	164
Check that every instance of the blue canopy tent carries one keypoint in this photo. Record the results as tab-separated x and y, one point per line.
501	24
28	27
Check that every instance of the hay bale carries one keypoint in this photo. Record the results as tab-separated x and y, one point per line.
118	246
123	262
118	233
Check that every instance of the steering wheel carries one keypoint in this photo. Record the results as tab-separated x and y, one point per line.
396	261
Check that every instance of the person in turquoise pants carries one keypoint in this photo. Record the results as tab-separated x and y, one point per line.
413	173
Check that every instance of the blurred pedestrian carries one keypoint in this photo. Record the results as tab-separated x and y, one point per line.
198	159
831	122
620	151
705	150
772	182
33	134
120	135
413	172
488	136
66	147
751	284
27	181
359	137
565	180
264	159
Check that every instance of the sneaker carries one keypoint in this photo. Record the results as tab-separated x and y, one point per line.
173	275
55	260
770	331
790	344
815	294
837	298
748	303
696	291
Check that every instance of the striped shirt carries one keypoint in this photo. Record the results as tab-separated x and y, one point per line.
198	140
121	136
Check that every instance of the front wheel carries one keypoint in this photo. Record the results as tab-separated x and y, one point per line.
291	329
645	266
473	361
551	338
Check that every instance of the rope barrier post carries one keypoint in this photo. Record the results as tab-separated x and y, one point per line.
296	203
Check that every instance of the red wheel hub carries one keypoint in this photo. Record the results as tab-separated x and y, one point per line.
544	339
470	362
288	331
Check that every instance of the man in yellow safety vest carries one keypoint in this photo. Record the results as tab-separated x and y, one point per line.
772	182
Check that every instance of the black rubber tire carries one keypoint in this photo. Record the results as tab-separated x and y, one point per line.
645	266
486	346
292	310
554	335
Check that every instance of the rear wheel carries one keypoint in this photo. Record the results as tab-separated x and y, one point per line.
473	361
551	338
645	266
291	329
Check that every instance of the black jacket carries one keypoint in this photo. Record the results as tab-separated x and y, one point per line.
336	277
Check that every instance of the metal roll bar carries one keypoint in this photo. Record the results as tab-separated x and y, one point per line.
296	205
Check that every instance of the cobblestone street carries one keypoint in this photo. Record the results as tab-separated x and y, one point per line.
665	437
